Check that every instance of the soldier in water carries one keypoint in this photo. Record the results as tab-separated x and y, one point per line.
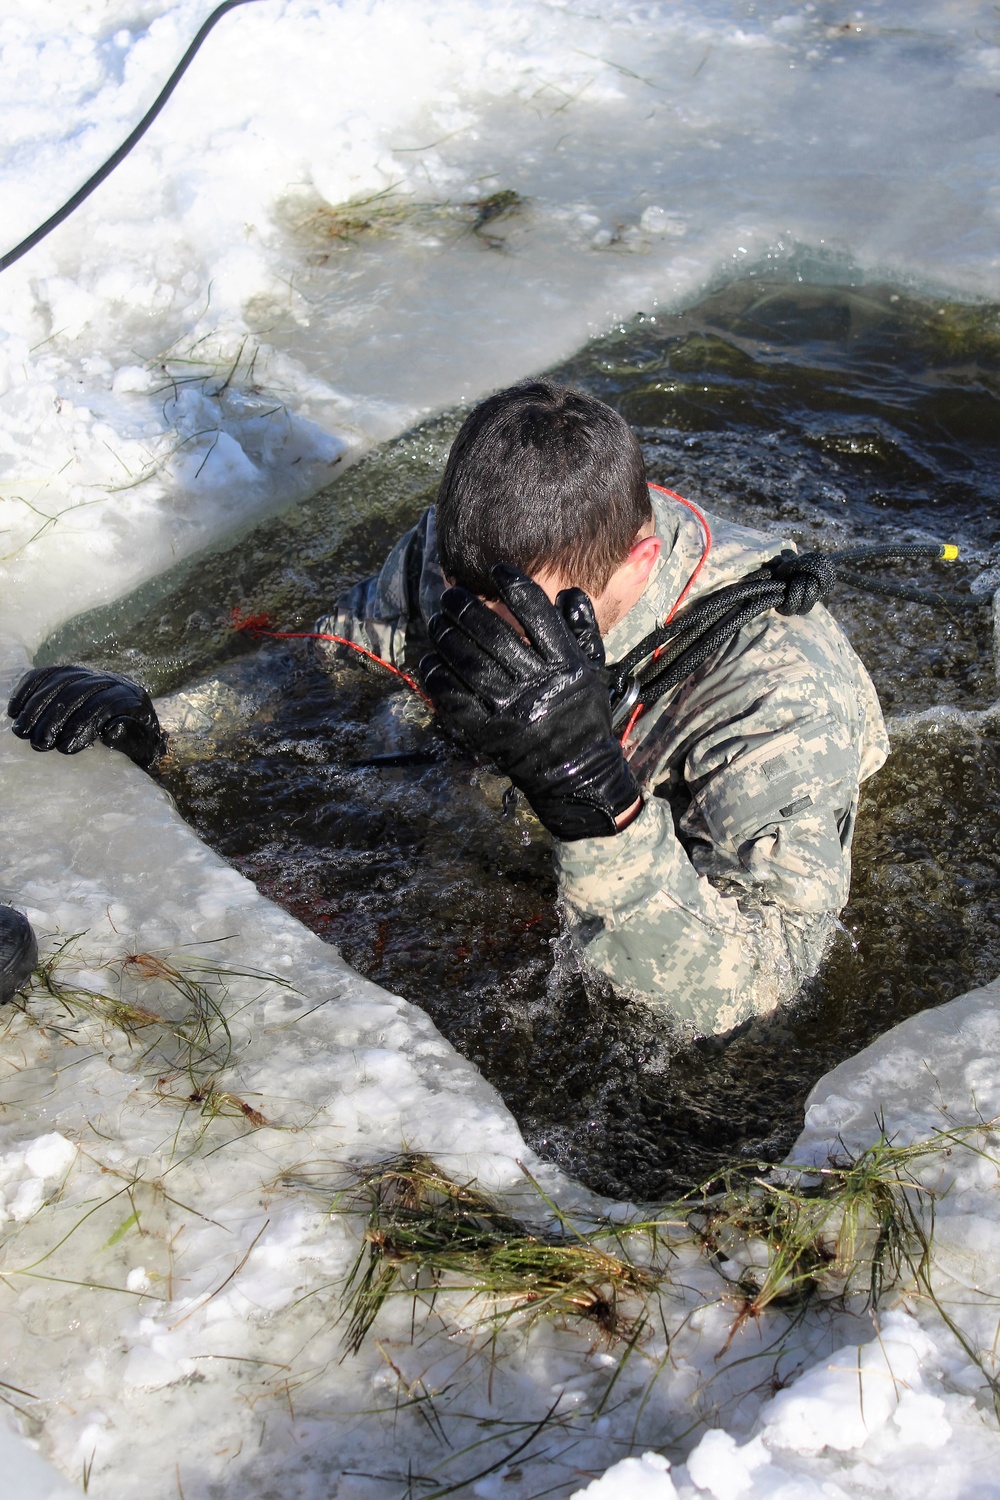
702	846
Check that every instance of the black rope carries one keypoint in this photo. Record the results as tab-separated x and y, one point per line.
790	584
908	591
126	146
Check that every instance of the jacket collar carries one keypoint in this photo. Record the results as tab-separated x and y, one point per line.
682	541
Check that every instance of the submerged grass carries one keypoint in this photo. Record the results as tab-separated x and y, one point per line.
173	1011
372	214
388	211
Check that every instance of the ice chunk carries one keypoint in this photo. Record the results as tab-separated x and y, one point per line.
842	1401
658	221
921	1419
722	1467
27	1200
645	1478
50	1155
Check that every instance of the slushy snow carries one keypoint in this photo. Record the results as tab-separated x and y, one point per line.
209	338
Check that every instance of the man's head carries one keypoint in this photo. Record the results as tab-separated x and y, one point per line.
553	481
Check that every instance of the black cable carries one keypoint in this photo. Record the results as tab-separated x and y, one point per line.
694	621
891	552
126	145
662	675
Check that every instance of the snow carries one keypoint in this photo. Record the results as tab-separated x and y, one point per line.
723	1467
645	1478
26	1475
841	1403
192	349
903	1410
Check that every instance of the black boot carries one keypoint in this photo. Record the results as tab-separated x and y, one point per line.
18	951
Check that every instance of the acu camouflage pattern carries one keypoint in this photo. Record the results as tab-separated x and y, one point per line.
722	895
388	614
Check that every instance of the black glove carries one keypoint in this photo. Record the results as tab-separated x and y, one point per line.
538	708
18	951
67	708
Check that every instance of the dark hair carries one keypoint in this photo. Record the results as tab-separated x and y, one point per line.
541	476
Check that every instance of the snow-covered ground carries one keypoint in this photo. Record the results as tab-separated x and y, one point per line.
207	339
900	1412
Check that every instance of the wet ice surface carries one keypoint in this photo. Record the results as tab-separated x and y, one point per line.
214	329
834	414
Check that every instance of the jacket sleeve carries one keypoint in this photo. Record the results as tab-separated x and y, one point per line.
744	857
387	614
639	911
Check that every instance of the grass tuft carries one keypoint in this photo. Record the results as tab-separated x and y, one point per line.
847	1229
426	1232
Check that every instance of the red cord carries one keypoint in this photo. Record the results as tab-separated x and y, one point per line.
258	625
640	708
637	713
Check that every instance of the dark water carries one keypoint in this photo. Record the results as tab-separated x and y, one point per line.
832	413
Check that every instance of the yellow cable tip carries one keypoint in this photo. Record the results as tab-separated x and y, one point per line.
949	552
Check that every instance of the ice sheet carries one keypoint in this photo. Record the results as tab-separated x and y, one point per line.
197	344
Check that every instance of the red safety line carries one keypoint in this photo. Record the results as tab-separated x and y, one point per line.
640	708
256	625
637	713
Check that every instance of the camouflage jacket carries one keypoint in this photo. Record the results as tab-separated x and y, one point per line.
722	893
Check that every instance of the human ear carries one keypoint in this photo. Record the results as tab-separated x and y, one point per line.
643	555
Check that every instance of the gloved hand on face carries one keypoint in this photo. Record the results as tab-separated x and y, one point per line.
538	708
